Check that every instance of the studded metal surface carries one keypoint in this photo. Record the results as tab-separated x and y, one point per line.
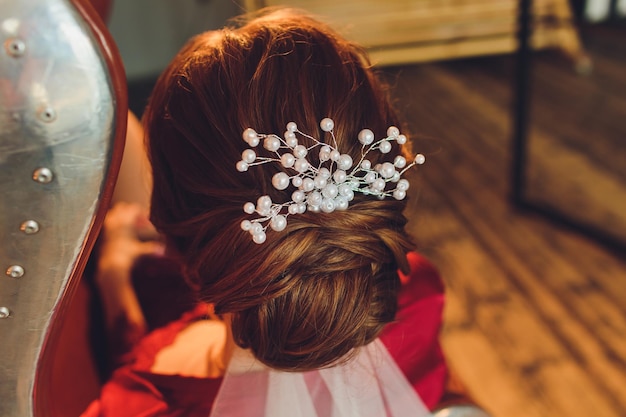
57	113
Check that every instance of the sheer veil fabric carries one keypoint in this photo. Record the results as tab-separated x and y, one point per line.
369	385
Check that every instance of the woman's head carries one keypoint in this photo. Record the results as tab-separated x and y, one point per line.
327	283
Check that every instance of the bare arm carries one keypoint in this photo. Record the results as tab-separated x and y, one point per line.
134	182
120	246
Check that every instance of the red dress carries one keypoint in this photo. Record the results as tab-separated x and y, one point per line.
412	340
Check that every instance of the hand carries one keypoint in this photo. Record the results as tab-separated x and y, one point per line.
126	234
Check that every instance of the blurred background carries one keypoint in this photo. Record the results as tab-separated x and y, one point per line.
535	266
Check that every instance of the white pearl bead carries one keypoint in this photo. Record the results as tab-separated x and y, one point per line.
330	191
248	156
298	196
288	135
313	209
301	207
271	143
242	166
301	165
280	180
264	203
324	173
384	146
327	124
256	228
308	184
296	181
250	134
344	162
327	205
278	223
387	170
287	160
335	155
314	199
293	209
402	185
399	194
325	153
393	131
341	203
300	151
340	176
249	208
379	184
259	238
370	177
401	139
320	182
366	137
420	159
396	177
366	164
292	126
292	142
246	225
344	189
399	161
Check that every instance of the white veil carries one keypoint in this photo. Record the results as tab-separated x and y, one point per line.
369	385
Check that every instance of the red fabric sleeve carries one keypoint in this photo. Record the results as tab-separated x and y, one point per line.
132	393
413	339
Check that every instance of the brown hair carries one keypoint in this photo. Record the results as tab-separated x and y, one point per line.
328	282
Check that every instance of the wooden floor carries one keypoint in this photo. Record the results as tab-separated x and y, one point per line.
536	314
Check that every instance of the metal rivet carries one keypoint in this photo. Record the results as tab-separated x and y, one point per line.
47	114
30	227
15	271
43	175
4	313
15	47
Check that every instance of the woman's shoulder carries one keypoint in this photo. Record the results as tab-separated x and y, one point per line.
134	389
143	355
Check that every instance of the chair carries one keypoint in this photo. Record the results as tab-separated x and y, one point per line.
63	110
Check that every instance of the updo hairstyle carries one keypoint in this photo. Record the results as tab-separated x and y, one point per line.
326	284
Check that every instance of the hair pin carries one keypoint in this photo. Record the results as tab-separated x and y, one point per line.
327	187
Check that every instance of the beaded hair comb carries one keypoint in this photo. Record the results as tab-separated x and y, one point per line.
327	187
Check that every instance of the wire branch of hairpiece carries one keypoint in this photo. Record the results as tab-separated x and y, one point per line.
327	187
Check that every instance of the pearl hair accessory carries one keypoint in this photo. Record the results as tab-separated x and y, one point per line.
328	187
